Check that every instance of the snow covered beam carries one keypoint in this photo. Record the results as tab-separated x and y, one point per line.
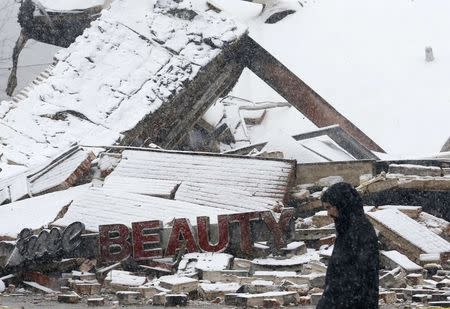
299	94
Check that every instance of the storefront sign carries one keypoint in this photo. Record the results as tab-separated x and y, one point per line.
144	240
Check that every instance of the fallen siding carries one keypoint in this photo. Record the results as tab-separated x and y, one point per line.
213	180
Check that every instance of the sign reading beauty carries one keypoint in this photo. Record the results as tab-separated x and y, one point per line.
144	240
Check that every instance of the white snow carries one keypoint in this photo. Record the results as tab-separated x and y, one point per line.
125	278
367	59
311	255
220	287
35	212
65	5
210	261
2	286
175	280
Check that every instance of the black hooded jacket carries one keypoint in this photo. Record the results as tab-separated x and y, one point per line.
352	275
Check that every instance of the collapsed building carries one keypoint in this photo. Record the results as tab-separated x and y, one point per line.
128	170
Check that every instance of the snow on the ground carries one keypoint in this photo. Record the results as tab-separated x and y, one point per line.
367	59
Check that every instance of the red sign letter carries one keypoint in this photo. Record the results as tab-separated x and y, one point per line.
114	245
146	240
181	227
203	227
244	223
279	229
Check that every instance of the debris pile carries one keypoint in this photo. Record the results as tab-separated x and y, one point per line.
259	256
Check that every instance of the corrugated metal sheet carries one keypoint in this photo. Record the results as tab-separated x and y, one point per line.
224	182
101	206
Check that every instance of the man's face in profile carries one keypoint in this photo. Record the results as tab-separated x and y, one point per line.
332	211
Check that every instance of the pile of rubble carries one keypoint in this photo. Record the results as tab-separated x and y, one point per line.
409	277
267	244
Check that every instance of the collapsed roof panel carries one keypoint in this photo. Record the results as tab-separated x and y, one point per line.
129	77
100	206
261	182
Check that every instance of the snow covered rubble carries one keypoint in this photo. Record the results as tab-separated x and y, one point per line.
133	60
414	260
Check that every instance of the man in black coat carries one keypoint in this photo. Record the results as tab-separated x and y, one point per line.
352	274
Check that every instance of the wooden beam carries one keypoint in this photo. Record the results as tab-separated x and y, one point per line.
298	93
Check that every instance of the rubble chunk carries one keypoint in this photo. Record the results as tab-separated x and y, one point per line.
178	284
321	219
414	279
313	233
128	297
394	259
211	291
416	170
122	280
159	299
411	211
255	300
95	302
224	275
388	297
315	297
403	233
71	298
241	264
175	300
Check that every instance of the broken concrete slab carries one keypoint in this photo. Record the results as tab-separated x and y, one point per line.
393	259
87	288
211	291
178	284
259	286
294	263
241	264
278	276
311	234
210	261
71	298
118	280
224	275
406	235
294	248
95	302
416	170
393	279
